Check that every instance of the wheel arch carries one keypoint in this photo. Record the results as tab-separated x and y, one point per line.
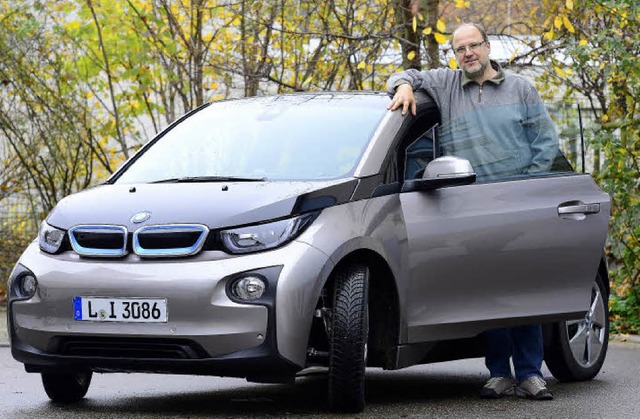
384	309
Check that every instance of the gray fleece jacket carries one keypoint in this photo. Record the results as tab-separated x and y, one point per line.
502	127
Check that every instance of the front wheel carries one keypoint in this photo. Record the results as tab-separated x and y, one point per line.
66	387
348	339
577	348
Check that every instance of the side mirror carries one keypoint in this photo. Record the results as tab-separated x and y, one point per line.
442	172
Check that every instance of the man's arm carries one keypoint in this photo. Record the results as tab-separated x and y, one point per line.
542	135
400	88
403	97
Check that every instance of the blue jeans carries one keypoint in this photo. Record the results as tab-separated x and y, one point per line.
523	343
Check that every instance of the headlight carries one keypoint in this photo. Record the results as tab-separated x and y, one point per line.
265	236
50	238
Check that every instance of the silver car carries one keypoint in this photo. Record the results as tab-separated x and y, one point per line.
259	237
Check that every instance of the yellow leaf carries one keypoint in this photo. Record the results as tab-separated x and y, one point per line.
411	55
557	22
453	63
414	24
583	42
427	31
569	4
513	56
568	24
361	65
420	16
73	25
441	26
560	71
549	35
440	38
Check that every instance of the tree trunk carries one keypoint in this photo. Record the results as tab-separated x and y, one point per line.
425	13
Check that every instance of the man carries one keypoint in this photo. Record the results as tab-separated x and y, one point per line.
482	106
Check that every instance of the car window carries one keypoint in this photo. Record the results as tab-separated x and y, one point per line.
301	137
505	142
416	143
419	153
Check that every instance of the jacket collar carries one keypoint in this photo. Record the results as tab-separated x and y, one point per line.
497	79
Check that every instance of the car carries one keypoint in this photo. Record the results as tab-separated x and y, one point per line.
261	237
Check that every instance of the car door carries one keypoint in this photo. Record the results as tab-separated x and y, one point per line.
520	246
501	253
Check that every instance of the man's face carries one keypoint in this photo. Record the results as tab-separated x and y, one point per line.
472	52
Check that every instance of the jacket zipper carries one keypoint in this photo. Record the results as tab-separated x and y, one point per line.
480	94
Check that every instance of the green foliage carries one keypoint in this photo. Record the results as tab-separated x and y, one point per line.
17	230
624	312
601	46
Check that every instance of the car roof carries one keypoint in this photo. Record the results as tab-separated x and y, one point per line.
373	98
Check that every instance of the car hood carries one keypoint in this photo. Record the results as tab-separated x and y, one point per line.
215	205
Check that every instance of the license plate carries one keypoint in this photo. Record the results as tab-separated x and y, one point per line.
106	309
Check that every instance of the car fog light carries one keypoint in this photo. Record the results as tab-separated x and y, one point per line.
249	288
28	286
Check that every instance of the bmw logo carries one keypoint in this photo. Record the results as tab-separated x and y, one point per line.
140	217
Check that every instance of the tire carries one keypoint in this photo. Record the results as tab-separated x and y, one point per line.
348	339
577	348
66	387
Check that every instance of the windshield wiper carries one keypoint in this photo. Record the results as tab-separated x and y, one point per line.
196	179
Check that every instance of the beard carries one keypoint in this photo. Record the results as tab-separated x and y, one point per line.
474	74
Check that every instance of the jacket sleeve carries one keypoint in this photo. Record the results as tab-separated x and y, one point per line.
541	133
412	77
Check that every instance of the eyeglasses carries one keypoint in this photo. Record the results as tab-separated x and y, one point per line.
471	47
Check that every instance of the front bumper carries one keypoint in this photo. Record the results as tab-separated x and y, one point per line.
207	332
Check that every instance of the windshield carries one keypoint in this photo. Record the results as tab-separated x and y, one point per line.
295	137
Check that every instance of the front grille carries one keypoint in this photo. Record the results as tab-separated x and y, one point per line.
138	348
154	240
169	240
96	240
99	240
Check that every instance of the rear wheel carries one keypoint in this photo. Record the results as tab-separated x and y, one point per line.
66	387
577	348
348	339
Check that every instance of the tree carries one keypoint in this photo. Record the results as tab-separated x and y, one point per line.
601	46
44	119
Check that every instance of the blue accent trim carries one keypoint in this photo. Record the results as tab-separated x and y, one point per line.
77	308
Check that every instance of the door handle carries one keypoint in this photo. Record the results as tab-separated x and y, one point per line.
578	208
